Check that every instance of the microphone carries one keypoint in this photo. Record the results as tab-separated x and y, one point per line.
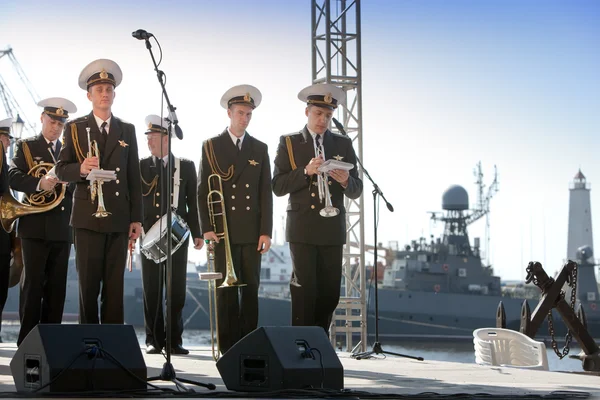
141	34
339	126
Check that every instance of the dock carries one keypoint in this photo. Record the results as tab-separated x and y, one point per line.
377	377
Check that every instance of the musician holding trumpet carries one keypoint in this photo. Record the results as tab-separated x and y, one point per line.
106	213
45	237
241	164
316	220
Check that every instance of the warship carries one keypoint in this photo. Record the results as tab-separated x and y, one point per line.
442	289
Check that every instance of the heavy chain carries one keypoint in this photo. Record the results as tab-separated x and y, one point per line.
572	282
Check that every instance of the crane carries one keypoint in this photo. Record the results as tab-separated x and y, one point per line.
9	100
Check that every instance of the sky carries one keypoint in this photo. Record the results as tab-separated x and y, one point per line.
445	84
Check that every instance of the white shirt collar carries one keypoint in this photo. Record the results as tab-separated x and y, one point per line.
235	138
99	122
50	141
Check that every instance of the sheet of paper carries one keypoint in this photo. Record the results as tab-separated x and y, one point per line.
332	164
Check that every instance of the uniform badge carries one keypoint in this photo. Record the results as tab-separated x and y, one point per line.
103	74
338	157
122	143
253	163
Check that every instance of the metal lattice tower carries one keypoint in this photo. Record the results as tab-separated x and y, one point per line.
336	59
11	105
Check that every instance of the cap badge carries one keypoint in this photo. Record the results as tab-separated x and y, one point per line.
149	125
60	111
103	74
247	97
327	99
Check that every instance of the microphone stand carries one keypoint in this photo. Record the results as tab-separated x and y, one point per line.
377	348
168	372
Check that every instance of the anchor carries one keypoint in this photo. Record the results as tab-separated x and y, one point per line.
553	296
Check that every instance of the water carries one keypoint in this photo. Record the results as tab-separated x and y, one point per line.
461	352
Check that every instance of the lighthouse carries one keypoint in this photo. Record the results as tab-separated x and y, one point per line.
580	240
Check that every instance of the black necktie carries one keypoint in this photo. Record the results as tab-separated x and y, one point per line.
318	143
237	145
56	149
103	136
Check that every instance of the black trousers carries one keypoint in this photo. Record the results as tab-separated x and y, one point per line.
315	283
4	277
101	259
237	308
43	283
153	275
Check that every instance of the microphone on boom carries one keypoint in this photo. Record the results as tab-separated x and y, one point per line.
141	34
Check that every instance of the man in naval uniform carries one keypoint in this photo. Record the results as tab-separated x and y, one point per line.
101	243
45	237
5	243
316	242
156	201
242	162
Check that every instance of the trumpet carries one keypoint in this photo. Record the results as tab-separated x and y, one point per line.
323	184
96	185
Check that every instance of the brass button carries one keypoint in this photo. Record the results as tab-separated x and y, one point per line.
157	205
158	194
62	208
118	169
312	206
116	193
233	197
329	182
248	197
233	208
248	208
233	186
247	185
158	216
117	181
312	194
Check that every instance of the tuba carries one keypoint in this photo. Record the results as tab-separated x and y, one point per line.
11	209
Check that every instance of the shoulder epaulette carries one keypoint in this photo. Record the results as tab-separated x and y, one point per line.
29	139
122	120
183	159
79	120
145	158
293	133
339	135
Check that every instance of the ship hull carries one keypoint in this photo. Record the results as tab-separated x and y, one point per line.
403	315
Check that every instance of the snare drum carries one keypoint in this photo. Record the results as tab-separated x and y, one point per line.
154	243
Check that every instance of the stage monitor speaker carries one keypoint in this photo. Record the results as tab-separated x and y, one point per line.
287	357
77	358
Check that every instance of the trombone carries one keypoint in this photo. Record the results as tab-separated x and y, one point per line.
96	185
216	209
323	184
211	276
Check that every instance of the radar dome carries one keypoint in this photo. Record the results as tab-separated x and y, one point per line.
584	253
455	198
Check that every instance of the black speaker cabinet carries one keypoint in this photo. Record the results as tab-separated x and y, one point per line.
287	357
74	358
